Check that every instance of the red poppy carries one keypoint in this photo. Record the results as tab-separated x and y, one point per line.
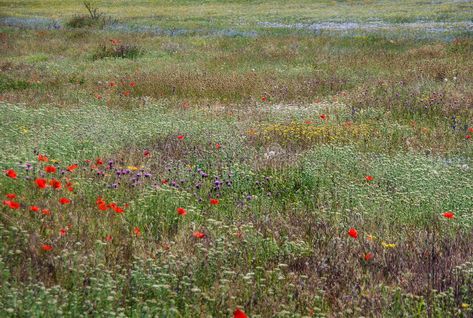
353	233
132	84
56	184
64	201
126	93
218	146
72	167
70	189
111	84
41	183
308	122
62	232
468	136
108	238
11	195
116	208
369	178
11	204
214	201
34	208
98	96
181	211
164	181
42	158
11	173
198	235
448	215
46	247
50	169
323	117
470	129
146	153
45	212
263	99
238	313
368	256
99	162
137	231
180	137
101	204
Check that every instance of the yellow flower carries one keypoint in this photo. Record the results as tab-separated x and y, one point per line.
465	306
132	168
388	245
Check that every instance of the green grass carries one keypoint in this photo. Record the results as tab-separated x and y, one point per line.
283	128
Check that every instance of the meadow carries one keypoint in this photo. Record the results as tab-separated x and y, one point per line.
236	159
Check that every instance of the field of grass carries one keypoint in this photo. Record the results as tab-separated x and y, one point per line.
232	159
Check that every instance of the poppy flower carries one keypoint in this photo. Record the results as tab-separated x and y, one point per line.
115	208
146	153
218	146
353	233
214	201
11	204
56	184
43	158
448	215
468	137
137	231
101	204
132	84
263	99
34	208
323	117
50	169
72	167
99	162
45	212
126	93
238	313
64	201
181	211
308	122
108	238
369	178
180	137
11	173
111	84
62	232
41	183
46	247
164	181
98	96
11	195
470	129
198	235
368	256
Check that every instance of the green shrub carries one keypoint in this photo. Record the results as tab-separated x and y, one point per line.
126	51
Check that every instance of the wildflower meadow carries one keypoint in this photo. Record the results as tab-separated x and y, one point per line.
236	158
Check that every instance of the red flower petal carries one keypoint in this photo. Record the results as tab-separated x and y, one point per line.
353	233
238	313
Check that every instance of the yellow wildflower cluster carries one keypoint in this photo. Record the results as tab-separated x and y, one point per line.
303	133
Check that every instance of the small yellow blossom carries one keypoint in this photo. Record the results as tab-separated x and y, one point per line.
388	245
465	306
